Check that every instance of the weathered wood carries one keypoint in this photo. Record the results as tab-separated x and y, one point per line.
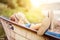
7	30
20	33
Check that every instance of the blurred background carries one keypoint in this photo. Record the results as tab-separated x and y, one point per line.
8	7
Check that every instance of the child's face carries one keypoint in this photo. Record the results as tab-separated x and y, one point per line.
13	18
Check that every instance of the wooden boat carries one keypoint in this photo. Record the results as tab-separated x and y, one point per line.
18	32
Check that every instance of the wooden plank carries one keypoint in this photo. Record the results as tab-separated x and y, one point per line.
20	33
17	37
7	30
28	34
14	23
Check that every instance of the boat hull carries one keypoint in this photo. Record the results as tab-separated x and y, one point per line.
14	32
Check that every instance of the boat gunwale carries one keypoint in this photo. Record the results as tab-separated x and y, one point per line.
14	23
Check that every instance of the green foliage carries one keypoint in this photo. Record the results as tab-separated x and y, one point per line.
3	1
10	3
5	11
7	8
2	31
